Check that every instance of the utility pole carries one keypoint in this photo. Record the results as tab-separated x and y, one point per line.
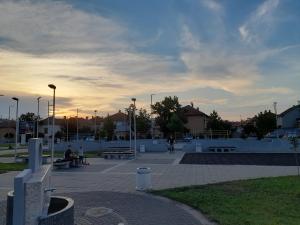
17	126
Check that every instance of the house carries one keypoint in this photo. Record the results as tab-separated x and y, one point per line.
290	118
196	120
121	122
7	130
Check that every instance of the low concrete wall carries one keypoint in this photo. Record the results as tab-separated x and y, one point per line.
161	145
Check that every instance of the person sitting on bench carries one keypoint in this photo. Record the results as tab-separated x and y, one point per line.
68	154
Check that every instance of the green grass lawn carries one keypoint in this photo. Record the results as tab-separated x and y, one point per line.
267	201
5	167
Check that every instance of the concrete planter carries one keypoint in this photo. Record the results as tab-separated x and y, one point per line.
60	212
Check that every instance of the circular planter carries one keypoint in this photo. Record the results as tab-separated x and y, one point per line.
61	211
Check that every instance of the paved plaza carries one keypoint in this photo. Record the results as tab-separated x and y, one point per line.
111	184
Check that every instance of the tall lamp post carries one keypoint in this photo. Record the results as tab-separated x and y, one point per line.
1	95
134	125
38	117
77	135
275	110
95	132
53	87
17	126
152	124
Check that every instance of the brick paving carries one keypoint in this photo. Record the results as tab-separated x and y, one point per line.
125	208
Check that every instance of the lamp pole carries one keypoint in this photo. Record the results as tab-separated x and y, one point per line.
152	125
130	126
95	132
17	126
38	117
134	125
53	87
275	110
1	96
77	136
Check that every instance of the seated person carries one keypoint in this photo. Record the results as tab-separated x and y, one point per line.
69	154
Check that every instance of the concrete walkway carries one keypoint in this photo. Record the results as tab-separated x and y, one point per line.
106	176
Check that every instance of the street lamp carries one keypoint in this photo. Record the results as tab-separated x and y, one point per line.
53	87
77	135
95	125
134	125
1	95
17	126
38	117
152	125
275	110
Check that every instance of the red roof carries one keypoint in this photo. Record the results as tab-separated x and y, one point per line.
191	111
119	116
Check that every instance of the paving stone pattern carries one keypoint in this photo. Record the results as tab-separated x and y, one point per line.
127	209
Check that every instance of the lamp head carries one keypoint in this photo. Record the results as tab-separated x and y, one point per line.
133	99
52	86
14	98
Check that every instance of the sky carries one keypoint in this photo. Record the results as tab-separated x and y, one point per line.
235	57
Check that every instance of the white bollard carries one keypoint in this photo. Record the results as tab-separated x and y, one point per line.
143	179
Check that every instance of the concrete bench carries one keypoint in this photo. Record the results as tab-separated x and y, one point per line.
118	155
61	165
222	149
24	158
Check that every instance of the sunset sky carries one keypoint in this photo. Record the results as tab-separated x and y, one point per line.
236	57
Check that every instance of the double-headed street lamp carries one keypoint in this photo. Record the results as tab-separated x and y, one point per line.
53	87
38	117
17	126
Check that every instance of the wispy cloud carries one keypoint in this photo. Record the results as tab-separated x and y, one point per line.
259	23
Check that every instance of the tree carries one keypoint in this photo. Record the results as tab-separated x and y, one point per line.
215	122
28	117
165	109
175	124
109	127
143	122
265	122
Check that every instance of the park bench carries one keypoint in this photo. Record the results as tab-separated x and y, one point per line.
24	158
61	164
118	155
222	149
